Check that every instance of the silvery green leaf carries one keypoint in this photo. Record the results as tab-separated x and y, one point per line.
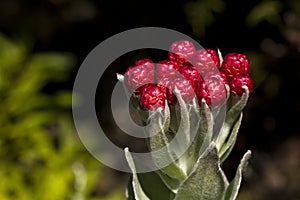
229	144
205	127
175	118
183	133
207	180
158	127
234	186
238	106
120	77
154	187
136	111
201	122
136	186
186	135
220	56
171	183
227	92
231	117
194	115
129	194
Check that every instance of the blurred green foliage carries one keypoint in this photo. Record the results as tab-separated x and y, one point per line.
265	10
201	14
40	155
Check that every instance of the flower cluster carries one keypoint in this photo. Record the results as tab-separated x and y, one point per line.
200	74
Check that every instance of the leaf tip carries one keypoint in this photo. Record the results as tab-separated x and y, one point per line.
120	77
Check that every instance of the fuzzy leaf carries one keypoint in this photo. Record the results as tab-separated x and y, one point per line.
201	130
136	186
171	183
192	154
175	118
220	56
234	186
158	126
183	133
229	144
207	181
175	149
231	117
154	187
206	128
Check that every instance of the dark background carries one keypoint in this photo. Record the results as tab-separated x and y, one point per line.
267	31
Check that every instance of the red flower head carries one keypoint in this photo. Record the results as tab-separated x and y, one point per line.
166	83
235	64
191	73
152	96
181	51
237	83
137	76
206	60
218	75
214	56
145	62
186	88
213	90
167	68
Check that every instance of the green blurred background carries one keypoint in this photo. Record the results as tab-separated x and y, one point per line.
43	42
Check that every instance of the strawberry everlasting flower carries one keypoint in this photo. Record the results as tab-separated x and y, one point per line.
206	60
166	84
146	63
152	96
191	73
237	83
213	90
137	76
235	64
205	80
181	51
217	75
214	56
186	88
223	77
167	68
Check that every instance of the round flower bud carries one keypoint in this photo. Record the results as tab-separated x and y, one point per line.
181	51
191	73
137	76
237	83
206	60
145	62
214	56
213	90
235	64
151	97
166	83
186	88
217	75
167	68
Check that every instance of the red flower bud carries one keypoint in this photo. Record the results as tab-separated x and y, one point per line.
206	60
181	51
214	56
166	83
213	90
151	97
145	62
217	75
167	68
237	83
235	64
186	88
137	76
191	73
